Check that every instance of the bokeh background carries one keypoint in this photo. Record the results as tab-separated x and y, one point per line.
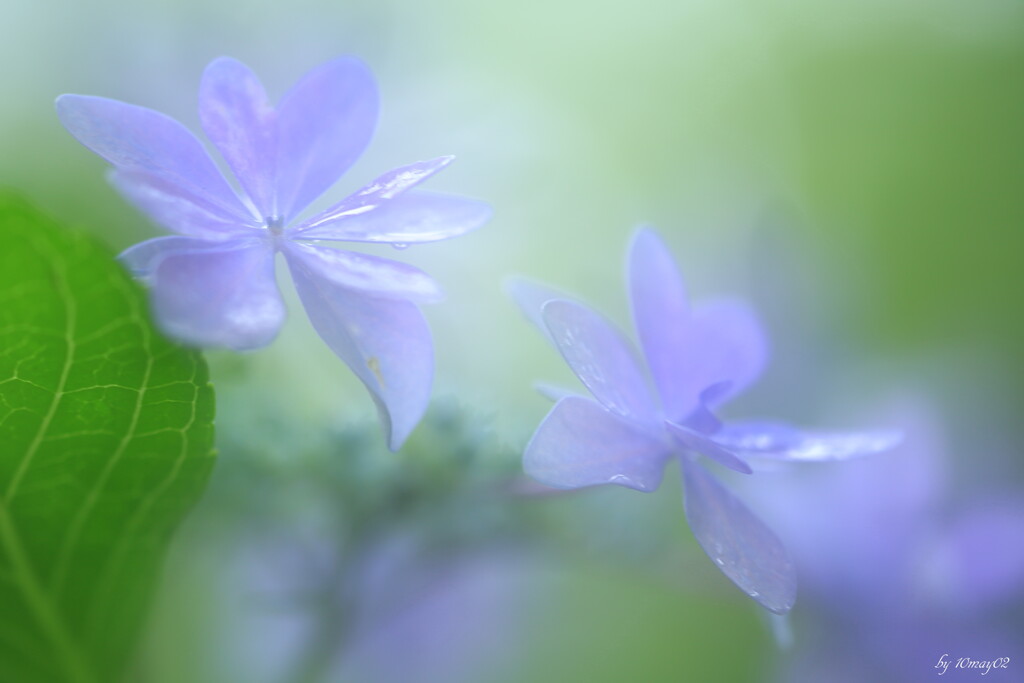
856	170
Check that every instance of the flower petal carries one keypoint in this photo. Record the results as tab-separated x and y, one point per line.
661	314
386	343
702	419
580	443
241	122
695	441
602	358
783	442
362	272
689	351
744	549
724	348
386	187
177	210
143	258
140	140
410	218
219	295
324	123
728	345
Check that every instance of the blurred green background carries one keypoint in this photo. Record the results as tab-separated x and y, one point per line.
855	169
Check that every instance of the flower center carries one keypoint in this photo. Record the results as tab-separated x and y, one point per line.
275	224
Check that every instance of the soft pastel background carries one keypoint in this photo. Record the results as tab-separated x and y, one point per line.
856	170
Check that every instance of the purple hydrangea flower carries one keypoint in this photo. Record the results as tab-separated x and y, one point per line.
213	283
698	358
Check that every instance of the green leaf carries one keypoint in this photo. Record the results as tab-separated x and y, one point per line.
105	443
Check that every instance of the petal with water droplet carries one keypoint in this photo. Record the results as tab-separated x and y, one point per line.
783	442
581	443
739	543
362	272
602	358
385	341
410	218
382	190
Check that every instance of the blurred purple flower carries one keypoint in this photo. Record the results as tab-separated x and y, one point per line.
456	621
404	614
698	358
213	284
893	580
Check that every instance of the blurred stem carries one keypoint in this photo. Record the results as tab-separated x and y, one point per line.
333	620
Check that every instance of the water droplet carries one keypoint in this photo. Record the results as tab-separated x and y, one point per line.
399	245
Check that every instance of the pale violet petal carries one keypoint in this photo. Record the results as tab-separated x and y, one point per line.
531	296
783	442
759	436
142	258
728	345
602	358
581	443
139	140
695	441
689	350
176	210
380	191
221	295
724	348
661	314
702	419
324	123
362	272
386	343
410	218
240	121
739	543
